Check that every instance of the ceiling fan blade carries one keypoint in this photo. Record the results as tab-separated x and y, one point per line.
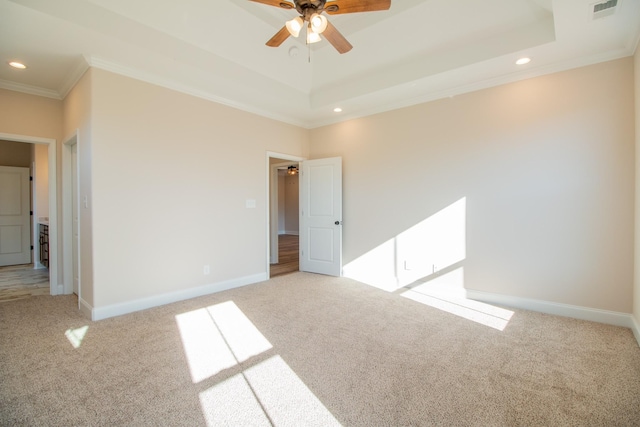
352	6
279	37
277	3
334	37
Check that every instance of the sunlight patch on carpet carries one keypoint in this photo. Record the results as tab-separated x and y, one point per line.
217	338
232	402
268	393
447	293
75	336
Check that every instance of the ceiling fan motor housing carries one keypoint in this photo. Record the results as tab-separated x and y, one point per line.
306	8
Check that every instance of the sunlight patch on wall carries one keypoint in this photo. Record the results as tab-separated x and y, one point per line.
217	338
269	393
375	268
422	250
75	336
447	293
433	244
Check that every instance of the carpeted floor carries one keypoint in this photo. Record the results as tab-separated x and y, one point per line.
305	349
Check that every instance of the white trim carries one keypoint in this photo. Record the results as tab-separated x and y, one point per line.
272	197
172	84
274	213
100	313
28	89
73	77
53	202
456	90
635	328
35	224
27	139
67	218
85	308
558	309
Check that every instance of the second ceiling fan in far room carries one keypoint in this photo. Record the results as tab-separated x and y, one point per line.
311	16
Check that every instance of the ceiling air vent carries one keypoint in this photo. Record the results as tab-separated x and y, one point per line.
602	9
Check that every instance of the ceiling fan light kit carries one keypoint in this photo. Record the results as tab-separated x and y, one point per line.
312	36
311	12
318	23
294	26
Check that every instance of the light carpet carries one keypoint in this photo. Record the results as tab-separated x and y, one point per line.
304	350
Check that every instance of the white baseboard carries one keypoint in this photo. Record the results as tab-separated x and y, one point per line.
635	328
292	232
85	308
100	313
566	310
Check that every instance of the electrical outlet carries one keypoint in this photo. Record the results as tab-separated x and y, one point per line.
206	270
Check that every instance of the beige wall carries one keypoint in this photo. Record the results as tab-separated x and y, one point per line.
291	211
41	180
16	154
542	172
33	116
167	198
30	115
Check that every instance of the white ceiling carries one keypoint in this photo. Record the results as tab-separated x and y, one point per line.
417	51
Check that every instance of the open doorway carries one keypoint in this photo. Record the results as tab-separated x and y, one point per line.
283	234
40	271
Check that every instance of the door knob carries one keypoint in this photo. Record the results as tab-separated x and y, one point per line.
337	223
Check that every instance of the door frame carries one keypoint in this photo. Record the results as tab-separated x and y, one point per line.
274	210
67	213
54	287
272	198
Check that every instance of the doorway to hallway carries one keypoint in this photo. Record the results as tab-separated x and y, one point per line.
288	255
284	216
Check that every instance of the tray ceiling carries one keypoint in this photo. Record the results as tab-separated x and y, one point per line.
417	51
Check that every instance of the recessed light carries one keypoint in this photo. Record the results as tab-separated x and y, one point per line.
337	110
16	64
523	61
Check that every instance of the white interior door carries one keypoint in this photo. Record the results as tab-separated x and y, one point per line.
15	217
75	241
321	216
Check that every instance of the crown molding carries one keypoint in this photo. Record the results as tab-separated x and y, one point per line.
115	68
430	96
31	90
73	77
403	102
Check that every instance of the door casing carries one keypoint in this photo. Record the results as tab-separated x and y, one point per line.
272	206
54	287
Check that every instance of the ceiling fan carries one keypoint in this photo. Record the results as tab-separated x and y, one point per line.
311	15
